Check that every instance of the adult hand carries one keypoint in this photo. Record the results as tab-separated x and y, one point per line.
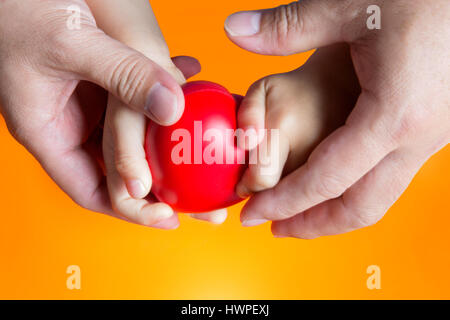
47	94
400	119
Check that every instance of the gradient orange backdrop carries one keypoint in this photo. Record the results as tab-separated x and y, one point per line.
42	231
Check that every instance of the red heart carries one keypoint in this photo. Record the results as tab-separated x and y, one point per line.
195	163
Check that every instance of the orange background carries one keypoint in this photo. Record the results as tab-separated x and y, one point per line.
42	231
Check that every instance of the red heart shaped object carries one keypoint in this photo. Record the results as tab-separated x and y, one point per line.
195	163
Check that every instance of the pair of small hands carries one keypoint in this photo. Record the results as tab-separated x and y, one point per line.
394	83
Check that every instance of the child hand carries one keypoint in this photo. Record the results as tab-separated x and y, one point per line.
303	106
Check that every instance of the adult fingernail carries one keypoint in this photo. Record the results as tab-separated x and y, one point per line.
162	104
245	23
254	222
136	189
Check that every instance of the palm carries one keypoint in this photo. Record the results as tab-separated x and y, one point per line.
71	122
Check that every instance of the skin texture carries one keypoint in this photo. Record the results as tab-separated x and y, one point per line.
53	88
399	119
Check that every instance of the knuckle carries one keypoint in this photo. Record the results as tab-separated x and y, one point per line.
361	215
62	42
287	23
408	125
117	206
284	211
276	82
124	162
363	218
56	32
380	128
249	106
258	86
397	122
129	77
128	208
352	15
329	186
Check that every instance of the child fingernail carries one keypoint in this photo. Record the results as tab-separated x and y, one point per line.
162	104
242	191
245	23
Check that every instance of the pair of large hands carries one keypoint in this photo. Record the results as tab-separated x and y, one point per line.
52	80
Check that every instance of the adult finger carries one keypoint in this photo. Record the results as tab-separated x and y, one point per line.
134	79
360	206
296	27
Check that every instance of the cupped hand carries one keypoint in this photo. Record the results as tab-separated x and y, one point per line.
400	119
52	80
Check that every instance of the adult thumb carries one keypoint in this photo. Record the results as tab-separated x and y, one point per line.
134	79
288	29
